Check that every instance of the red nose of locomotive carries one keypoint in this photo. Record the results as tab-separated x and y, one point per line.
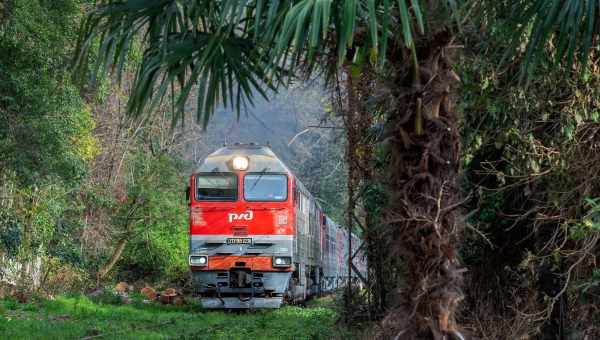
241	228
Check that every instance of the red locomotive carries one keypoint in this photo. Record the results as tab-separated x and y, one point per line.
257	236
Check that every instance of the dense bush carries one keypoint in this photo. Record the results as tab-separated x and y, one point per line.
45	125
158	246
530	159
60	214
46	135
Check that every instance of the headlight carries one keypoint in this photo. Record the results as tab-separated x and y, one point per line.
196	260
283	261
240	163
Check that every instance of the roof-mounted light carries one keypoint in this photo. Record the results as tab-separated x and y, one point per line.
240	163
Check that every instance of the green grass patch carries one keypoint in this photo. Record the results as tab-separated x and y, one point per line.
79	317
328	301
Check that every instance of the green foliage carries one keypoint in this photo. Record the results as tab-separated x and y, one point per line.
106	297
589	224
592	283
10	233
375	199
158	246
31	227
570	27
41	210
78	317
10	304
529	155
42	114
47	145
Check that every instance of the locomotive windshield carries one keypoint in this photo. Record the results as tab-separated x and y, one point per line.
263	187
216	187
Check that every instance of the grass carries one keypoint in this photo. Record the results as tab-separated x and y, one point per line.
78	317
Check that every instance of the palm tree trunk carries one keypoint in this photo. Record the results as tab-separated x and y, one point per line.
424	163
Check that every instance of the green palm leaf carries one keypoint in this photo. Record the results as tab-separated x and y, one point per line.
566	28
232	50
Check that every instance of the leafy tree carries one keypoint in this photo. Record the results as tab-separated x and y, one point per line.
46	138
158	243
71	170
45	126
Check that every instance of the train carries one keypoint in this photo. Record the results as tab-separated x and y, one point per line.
258	238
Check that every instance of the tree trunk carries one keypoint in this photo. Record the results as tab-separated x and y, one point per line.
422	216
358	121
116	255
118	251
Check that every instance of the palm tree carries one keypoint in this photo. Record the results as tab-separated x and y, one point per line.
228	50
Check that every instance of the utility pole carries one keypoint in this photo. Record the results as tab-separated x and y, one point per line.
351	158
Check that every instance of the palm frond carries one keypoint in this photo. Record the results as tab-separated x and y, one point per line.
332	28
207	43
565	28
230	50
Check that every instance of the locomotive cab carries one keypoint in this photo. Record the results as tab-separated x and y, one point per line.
241	228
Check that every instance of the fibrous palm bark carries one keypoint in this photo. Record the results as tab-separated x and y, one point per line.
422	214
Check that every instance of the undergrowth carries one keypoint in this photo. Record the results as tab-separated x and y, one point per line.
77	317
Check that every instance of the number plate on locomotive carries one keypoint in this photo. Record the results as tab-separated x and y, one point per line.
239	240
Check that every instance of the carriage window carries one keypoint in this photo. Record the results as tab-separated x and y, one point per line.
216	187
261	187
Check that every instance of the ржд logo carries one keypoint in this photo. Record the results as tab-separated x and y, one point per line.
247	216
